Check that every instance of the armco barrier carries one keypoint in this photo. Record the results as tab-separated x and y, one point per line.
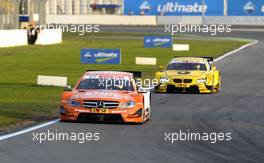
230	20
153	20
235	20
102	20
161	20
10	38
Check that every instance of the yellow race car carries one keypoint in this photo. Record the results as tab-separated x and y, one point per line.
189	74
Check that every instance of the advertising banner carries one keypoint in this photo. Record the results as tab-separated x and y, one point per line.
245	8
101	56
173	7
158	41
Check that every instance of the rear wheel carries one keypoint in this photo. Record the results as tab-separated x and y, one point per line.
170	89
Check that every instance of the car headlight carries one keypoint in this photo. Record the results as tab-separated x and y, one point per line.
202	80
128	104
74	103
164	79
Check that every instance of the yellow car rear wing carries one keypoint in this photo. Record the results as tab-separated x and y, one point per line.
209	59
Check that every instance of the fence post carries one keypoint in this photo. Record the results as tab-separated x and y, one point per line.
225	7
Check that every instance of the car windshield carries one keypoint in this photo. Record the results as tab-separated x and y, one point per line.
187	66
106	84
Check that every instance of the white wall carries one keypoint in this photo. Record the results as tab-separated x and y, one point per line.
52	81
10	38
49	36
102	20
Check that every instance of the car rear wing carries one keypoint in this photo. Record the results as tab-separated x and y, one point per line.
209	59
136	74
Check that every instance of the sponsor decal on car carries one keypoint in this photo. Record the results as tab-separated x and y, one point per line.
101	94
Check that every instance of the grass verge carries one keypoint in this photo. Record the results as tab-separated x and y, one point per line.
22	102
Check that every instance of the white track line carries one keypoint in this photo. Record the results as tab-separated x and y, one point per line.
7	136
236	50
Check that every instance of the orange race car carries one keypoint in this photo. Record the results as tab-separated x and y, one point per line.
108	96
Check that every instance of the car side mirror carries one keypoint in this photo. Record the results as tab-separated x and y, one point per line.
161	68
68	88
143	90
213	68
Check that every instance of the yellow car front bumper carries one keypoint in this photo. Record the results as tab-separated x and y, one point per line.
183	87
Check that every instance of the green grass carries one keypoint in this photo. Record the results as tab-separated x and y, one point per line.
21	100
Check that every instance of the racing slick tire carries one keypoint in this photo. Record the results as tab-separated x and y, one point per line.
216	88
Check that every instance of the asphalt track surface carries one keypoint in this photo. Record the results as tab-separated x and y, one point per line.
238	108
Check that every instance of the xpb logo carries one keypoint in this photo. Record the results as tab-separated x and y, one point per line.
249	8
145	6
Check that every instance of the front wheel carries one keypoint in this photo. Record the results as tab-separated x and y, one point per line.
216	88
146	115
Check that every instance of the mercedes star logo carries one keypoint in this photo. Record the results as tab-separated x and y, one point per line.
100	104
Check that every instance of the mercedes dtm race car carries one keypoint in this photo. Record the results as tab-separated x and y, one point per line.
189	74
107	96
